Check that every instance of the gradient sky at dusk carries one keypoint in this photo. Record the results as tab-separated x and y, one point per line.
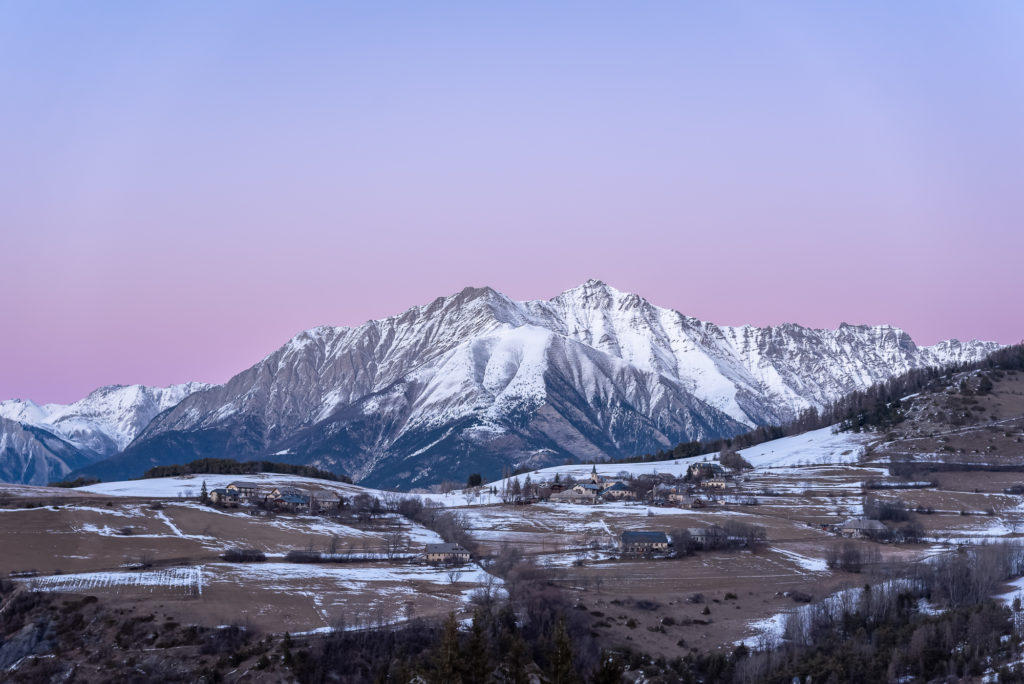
184	186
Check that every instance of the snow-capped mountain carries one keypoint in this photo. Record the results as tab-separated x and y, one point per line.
96	427
31	455
476	381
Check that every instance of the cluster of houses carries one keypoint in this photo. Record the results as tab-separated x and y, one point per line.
637	543
596	490
710	482
274	497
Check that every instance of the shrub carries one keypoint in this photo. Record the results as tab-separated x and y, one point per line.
244	556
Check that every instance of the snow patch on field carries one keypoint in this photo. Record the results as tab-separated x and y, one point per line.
1017	590
805	562
767	632
190	578
281	576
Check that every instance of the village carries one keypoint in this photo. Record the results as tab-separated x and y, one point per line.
706	486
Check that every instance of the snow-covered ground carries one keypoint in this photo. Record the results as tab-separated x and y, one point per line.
805	562
1016	590
818	447
350	576
188	578
189	486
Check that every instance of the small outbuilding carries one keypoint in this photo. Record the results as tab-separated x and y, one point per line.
860	528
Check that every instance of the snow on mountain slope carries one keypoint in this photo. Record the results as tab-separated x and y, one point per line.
104	422
475	382
32	455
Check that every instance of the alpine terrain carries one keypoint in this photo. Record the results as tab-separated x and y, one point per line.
40	444
477	382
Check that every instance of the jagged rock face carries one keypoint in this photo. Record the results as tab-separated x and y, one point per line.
475	381
40	444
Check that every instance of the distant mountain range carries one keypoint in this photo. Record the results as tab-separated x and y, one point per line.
40	444
473	382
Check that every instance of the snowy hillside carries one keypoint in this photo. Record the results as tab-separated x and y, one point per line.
476	382
817	447
65	437
104	422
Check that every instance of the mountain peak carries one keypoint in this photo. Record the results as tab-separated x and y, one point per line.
593	293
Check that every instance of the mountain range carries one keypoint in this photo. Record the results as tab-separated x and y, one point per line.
473	382
40	444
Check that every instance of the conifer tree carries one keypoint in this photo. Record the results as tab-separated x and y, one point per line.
448	653
477	663
562	670
516	661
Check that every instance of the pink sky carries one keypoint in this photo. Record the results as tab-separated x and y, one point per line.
186	188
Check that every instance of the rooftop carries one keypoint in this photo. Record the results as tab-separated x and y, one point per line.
863	524
445	548
635	537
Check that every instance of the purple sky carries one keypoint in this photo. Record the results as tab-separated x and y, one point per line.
185	186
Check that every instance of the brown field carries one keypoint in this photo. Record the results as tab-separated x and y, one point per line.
65	546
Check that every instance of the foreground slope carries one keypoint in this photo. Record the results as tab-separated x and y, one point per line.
475	382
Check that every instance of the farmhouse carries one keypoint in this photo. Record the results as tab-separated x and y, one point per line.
245	490
445	553
575	497
636	543
705	470
860	527
687	500
224	497
702	535
618	491
291	502
587	488
716	483
327	502
662	491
